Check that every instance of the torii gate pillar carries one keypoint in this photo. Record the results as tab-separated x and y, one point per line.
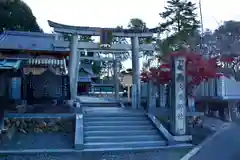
136	72
116	77
73	66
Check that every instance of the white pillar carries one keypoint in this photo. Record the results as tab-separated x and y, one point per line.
136	70
73	66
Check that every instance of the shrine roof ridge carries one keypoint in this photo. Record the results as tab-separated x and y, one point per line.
126	32
15	40
24	33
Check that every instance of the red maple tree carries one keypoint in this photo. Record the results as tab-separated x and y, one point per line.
198	69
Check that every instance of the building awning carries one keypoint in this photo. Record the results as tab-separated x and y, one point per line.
10	64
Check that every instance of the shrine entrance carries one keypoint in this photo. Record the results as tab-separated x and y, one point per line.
106	45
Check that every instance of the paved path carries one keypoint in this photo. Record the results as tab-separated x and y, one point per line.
223	145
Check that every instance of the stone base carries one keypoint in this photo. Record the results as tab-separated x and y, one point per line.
184	138
75	106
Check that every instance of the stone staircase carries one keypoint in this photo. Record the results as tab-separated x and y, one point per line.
120	129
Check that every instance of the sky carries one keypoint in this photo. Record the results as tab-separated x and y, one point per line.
111	13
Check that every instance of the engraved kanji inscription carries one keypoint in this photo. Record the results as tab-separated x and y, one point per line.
180	106
180	130
180	64
180	77
180	116
181	86
180	97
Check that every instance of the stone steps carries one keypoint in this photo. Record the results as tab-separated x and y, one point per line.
120	132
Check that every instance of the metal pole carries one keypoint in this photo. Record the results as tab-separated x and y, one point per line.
73	66
202	29
136	70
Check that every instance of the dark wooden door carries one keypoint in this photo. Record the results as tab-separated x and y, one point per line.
83	88
47	87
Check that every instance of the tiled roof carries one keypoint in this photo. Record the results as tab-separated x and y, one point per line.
13	40
10	64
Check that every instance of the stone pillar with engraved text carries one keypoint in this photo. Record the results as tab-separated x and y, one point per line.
178	94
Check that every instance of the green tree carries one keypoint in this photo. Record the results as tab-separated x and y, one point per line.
179	27
122	40
224	40
138	24
227	37
86	38
16	15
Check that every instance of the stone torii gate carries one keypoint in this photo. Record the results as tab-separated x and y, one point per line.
75	32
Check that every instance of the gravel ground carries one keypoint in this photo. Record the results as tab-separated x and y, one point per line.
44	157
39	141
151	155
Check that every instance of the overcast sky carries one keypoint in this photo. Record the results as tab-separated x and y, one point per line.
110	13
